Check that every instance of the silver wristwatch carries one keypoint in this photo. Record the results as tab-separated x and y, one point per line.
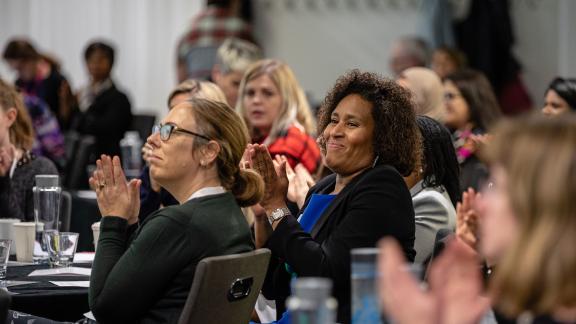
277	214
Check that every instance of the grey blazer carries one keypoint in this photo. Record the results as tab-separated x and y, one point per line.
433	211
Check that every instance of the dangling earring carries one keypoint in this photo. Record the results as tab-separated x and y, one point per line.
375	161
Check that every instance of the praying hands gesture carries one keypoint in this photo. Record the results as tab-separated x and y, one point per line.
273	174
115	196
455	290
299	181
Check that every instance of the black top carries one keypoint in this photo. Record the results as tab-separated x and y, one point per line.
374	204
108	118
145	277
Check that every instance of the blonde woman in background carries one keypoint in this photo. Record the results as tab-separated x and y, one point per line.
427	90
18	165
277	113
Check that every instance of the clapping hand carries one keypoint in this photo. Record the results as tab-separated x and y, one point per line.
299	180
115	196
455	287
274	176
467	218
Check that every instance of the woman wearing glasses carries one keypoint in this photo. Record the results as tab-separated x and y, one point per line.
152	196
144	273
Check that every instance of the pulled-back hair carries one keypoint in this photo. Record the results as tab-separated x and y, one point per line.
537	273
218	121
396	139
439	157
21	131
198	89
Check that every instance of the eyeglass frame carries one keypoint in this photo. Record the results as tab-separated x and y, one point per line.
173	128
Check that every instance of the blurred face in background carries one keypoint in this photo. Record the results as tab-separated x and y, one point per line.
443	64
263	103
99	66
229	83
7	118
26	69
457	111
498	225
554	104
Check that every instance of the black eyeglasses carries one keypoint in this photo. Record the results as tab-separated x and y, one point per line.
167	129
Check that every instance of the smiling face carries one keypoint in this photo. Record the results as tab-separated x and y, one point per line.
554	104
457	110
263	103
174	160
349	136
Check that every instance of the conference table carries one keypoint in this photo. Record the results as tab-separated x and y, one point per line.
41	295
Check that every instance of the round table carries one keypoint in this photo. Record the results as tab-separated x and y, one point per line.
45	299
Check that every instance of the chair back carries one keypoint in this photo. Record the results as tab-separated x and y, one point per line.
143	124
77	177
225	288
65	211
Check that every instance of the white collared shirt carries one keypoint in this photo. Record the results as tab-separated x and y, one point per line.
207	191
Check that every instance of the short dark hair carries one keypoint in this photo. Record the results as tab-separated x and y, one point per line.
440	164
479	95
395	133
106	49
20	49
566	89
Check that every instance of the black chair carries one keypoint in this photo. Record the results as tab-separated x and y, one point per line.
77	175
143	124
5	301
225	288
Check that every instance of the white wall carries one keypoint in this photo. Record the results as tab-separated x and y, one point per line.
145	33
322	42
320	39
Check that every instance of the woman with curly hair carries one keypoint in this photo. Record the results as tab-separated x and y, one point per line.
369	139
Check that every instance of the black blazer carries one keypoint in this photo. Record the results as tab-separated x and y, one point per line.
376	203
108	118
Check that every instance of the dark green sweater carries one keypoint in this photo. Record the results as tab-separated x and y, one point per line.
145	276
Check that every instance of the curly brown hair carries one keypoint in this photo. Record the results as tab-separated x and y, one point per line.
396	137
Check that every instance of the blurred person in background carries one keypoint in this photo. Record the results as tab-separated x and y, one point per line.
232	60
18	165
105	111
471	109
434	185
277	113
408	52
427	90
447	60
560	97
39	75
197	50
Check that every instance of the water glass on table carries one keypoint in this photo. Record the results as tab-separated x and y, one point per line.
61	247
4	255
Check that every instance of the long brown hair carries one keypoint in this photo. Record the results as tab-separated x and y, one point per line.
21	131
538	272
